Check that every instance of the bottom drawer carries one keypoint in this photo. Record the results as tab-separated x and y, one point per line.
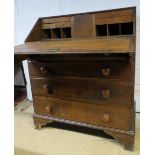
101	115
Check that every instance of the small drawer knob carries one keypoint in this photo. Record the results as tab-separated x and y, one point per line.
106	118
106	93
43	69
106	71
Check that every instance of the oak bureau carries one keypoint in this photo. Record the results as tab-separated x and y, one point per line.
82	69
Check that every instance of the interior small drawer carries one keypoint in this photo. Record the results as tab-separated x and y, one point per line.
90	69
107	116
99	92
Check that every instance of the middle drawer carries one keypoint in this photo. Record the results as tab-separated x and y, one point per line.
100	92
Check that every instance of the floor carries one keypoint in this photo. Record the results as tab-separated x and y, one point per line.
61	139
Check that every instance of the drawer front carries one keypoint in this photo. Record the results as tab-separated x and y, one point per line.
99	69
100	92
108	116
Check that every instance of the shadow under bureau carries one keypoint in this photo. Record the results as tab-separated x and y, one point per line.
82	69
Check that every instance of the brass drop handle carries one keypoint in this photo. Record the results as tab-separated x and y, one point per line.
43	69
106	71
48	89
48	109
106	93
106	118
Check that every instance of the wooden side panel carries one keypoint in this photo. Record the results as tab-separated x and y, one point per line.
83	26
36	34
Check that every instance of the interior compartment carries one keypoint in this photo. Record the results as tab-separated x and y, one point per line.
55	33
113	29
101	30
66	32
47	33
127	28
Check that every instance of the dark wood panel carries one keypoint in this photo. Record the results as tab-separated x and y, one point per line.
101	92
83	26
101	69
19	58
82	57
115	117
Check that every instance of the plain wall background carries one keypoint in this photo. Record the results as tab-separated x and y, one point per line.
26	13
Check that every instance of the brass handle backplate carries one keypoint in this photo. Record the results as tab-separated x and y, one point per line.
106	71
106	93
48	89
43	69
48	109
106	118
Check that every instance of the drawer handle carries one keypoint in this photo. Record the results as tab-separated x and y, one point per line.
106	71
48	109
106	93
48	89
43	69
106	118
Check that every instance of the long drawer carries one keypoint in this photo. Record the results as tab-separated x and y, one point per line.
99	92
87	69
108	116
